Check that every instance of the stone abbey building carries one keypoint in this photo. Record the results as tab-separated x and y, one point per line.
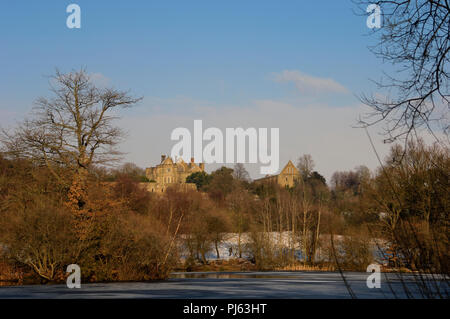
171	173
287	177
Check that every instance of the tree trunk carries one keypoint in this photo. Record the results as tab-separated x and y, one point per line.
217	250
317	236
304	236
239	235
203	256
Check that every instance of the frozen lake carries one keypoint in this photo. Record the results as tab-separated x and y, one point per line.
231	285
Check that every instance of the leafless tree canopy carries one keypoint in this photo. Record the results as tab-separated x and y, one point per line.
414	37
305	165
240	173
73	128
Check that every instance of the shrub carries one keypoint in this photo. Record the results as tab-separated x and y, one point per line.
39	237
133	248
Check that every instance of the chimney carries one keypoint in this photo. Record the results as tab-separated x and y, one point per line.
202	166
163	157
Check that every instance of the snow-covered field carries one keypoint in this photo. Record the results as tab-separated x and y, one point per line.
228	248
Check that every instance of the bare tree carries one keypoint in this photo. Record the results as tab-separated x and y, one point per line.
217	226
239	202
240	173
415	37
73	128
305	165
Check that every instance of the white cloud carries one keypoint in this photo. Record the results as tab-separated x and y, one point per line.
309	84
99	79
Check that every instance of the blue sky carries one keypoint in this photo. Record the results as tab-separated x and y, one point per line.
216	50
181	55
